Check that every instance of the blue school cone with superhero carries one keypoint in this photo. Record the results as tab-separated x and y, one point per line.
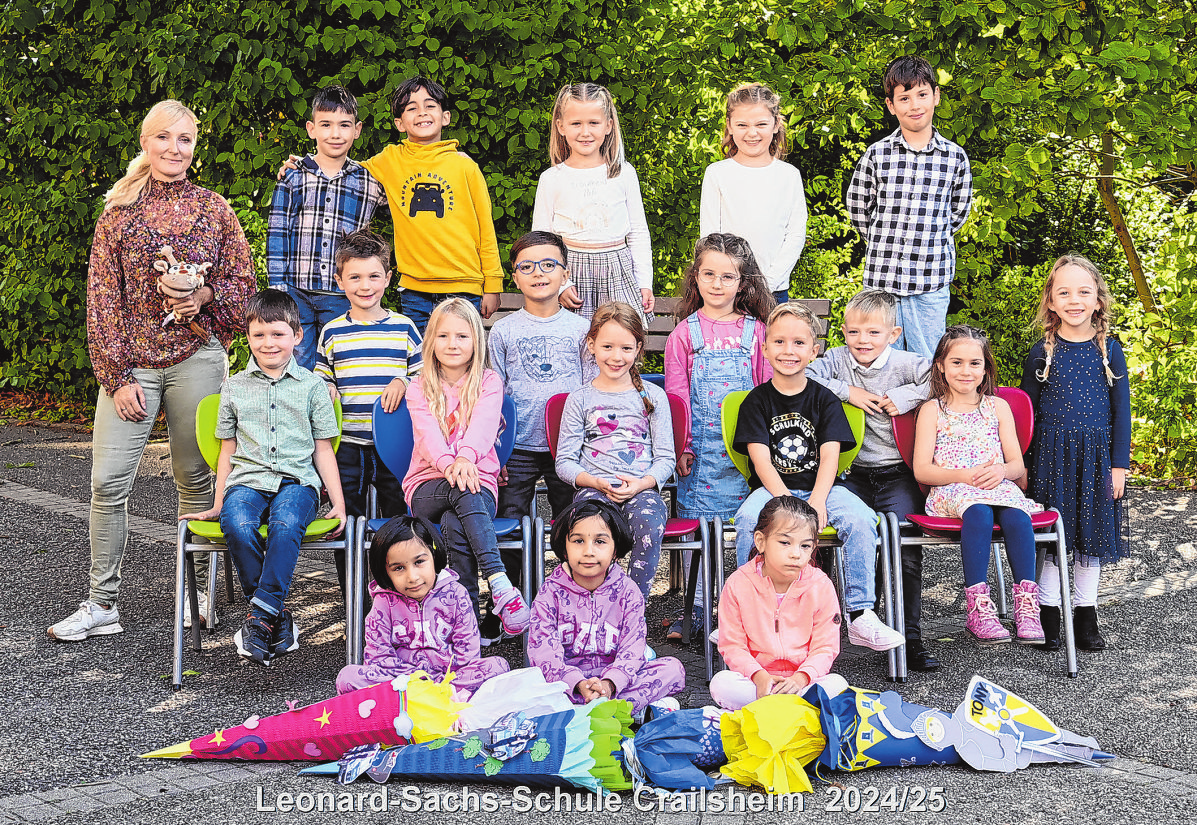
768	742
579	747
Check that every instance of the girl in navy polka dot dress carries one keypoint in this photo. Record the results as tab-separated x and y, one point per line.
1076	377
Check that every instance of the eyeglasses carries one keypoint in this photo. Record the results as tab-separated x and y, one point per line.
724	280
545	265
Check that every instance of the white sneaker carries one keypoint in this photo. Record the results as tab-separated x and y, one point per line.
657	709
89	620
869	631
203	611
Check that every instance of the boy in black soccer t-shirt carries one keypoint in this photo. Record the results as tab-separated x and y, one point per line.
792	429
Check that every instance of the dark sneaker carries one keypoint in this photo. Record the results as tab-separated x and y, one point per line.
491	630
285	636
253	639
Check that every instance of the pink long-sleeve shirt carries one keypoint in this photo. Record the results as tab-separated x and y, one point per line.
798	634
475	439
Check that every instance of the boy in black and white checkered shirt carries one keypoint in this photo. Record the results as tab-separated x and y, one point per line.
909	195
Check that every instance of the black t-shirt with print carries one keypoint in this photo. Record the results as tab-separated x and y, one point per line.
794	427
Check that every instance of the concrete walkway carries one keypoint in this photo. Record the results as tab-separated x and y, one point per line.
79	714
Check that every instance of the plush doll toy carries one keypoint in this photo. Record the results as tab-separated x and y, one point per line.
178	280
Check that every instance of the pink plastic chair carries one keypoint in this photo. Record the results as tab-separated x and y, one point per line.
939	530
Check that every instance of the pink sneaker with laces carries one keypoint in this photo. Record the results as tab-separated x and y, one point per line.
1028	629
514	614
982	621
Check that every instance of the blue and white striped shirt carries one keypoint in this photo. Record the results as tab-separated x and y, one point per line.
361	358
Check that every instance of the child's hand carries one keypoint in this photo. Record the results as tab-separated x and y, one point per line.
393	394
337	512
211	514
870	402
764	683
292	163
888	406
820	508
629	487
647	300
570	298
502	481
1118	481
490	304
594	688
333	395
988	476
463	474
684	462
791	684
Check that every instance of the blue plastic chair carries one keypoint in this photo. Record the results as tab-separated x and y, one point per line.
394	440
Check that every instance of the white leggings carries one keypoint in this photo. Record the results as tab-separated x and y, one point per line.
1084	585
732	691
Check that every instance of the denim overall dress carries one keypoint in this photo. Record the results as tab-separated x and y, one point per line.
714	486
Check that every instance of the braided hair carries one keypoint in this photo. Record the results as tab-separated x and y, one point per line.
626	316
1050	322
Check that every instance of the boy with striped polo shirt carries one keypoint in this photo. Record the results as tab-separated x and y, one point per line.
908	197
325	195
368	353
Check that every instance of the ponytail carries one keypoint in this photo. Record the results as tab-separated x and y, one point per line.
129	188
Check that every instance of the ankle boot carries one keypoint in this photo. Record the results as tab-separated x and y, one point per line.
982	620
1049	617
1027	629
1088	635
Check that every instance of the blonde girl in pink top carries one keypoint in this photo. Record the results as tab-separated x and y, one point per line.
452	481
779	618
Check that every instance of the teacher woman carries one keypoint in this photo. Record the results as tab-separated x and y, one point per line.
142	363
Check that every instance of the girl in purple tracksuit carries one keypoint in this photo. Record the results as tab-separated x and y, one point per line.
422	618
588	625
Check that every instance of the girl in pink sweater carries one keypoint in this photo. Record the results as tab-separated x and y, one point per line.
452	481
779	617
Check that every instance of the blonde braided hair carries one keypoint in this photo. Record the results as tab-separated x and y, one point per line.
1049	321
626	316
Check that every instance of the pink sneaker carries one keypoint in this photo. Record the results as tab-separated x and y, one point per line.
512	611
1028	630
982	621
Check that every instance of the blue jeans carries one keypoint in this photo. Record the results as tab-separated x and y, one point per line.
467	521
892	489
782	295
923	319
852	520
517	498
418	306
265	566
315	310
360	468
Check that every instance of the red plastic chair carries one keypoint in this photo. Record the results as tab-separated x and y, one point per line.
681	534
940	530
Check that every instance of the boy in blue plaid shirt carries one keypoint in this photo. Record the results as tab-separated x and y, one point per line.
327	196
910	193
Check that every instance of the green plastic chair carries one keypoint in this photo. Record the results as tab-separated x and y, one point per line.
213	542
730	414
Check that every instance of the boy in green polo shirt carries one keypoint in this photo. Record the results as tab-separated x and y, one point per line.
276	424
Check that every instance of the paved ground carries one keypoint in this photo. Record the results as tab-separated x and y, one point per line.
79	714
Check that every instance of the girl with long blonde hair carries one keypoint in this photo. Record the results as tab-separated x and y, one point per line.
590	196
453	480
1077	379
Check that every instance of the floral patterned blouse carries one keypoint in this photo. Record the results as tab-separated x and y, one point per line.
124	309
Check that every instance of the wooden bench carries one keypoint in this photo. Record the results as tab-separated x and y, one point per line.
663	321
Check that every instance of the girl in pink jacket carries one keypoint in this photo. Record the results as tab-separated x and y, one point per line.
779	617
588	625
455	406
422	618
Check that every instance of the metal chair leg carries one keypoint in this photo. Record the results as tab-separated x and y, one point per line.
893	614
895	541
180	594
1002	605
351	577
1066	600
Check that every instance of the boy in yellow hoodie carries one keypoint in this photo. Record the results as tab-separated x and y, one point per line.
445	243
